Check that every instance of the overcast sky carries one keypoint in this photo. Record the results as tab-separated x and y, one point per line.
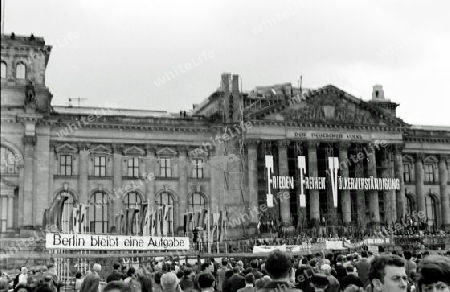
168	55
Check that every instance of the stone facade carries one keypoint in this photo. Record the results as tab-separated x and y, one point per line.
213	157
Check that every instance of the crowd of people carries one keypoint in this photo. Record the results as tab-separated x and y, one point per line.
278	272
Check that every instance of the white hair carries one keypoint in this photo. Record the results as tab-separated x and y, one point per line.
97	267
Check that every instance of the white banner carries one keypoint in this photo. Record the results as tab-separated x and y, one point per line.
114	242
267	249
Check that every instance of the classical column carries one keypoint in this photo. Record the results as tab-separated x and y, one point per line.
150	164
252	157
373	194
183	191
445	200
116	204
314	207
389	196
346	200
83	170
419	184
400	194
284	171
29	142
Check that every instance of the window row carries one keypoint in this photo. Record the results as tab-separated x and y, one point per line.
430	172
102	166
21	70
99	208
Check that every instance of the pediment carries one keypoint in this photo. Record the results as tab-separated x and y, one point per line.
134	151
100	149
66	148
328	105
166	152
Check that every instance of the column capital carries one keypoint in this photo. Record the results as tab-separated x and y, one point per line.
83	146
117	148
312	144
29	140
252	143
183	150
150	149
444	157
343	145
420	157
398	148
282	143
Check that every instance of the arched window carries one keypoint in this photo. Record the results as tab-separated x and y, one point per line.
8	161
196	203
98	212
165	198
3	69
131	200
431	211
21	70
66	224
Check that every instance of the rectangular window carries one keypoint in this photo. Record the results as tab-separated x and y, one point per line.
3	213
133	167
65	165
100	166
197	171
406	172
429	173
165	167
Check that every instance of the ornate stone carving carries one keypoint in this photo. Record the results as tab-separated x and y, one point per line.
30	97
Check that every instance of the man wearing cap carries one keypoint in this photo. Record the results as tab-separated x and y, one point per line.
278	265
170	282
333	283
91	282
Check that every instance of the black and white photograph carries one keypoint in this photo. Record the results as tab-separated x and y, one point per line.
225	146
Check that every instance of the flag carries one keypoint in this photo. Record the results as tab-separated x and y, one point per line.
154	222
166	218
143	220
74	219
202	219
186	223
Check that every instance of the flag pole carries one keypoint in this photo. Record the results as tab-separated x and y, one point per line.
217	231
209	231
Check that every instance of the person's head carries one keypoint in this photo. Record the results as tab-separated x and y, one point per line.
278	264
169	281
304	261
21	288
387	273
236	270
260	283
228	273
224	262
78	275
187	272
407	254
364	254
206	267
146	283
117	286
158	276
116	266
240	265
254	264
320	282
249	278
179	274
340	259
97	268
131	272
206	281
350	284
326	269
350	269
434	274
24	270
313	263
